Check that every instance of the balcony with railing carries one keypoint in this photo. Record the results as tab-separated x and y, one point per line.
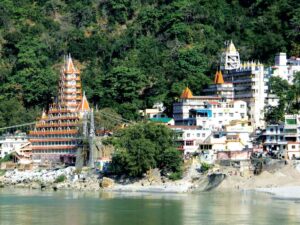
52	147
41	132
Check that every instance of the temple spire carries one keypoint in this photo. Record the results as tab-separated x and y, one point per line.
231	48
219	77
69	67
187	93
230	59
84	105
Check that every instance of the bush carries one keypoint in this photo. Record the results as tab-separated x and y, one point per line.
2	172
7	158
175	175
205	167
60	178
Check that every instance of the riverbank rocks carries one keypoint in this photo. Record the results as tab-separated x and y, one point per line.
107	182
35	185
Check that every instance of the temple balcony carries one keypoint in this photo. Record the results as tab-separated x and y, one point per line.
52	139
72	131
48	147
70	79
62	118
71	92
57	124
64	110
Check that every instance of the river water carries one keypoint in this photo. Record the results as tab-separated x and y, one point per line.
26	207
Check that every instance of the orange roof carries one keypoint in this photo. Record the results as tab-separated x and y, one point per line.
219	78
187	93
84	105
70	68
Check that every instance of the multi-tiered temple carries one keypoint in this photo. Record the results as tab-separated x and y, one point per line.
57	134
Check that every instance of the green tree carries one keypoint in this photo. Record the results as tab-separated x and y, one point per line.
143	146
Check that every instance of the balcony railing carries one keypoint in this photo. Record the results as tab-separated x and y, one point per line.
53	147
51	139
73	131
57	125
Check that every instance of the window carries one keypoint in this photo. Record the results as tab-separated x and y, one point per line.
242	115
198	134
231	114
189	143
188	134
242	106
220	114
293	146
203	135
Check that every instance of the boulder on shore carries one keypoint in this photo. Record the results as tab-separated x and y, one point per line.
35	185
107	182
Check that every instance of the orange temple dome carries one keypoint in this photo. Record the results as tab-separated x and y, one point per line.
187	93
219	78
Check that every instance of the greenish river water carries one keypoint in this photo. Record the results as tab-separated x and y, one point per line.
26	207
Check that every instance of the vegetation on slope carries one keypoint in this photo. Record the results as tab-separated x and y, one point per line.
132	53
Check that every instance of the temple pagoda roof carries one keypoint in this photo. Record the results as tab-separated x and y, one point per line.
219	78
187	93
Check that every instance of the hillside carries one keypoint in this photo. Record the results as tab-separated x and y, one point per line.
131	53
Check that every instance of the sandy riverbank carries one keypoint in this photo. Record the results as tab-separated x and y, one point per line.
287	176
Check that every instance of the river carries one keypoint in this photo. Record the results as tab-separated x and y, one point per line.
26	207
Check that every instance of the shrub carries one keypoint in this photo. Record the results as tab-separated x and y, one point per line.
60	178
2	172
175	175
7	158
205	167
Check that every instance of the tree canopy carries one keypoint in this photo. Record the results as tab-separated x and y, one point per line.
289	98
133	53
143	146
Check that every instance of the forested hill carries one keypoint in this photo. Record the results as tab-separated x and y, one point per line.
131	53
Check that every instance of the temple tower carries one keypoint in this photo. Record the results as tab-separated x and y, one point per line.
57	136
230	59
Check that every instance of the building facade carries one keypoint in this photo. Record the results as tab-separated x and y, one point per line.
285	68
208	112
248	81
12	142
57	135
188	138
283	140
275	138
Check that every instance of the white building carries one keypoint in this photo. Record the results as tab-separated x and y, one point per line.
272	100
157	111
249	83
286	68
188	138
215	115
283	140
11	143
275	138
186	103
226	145
208	112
